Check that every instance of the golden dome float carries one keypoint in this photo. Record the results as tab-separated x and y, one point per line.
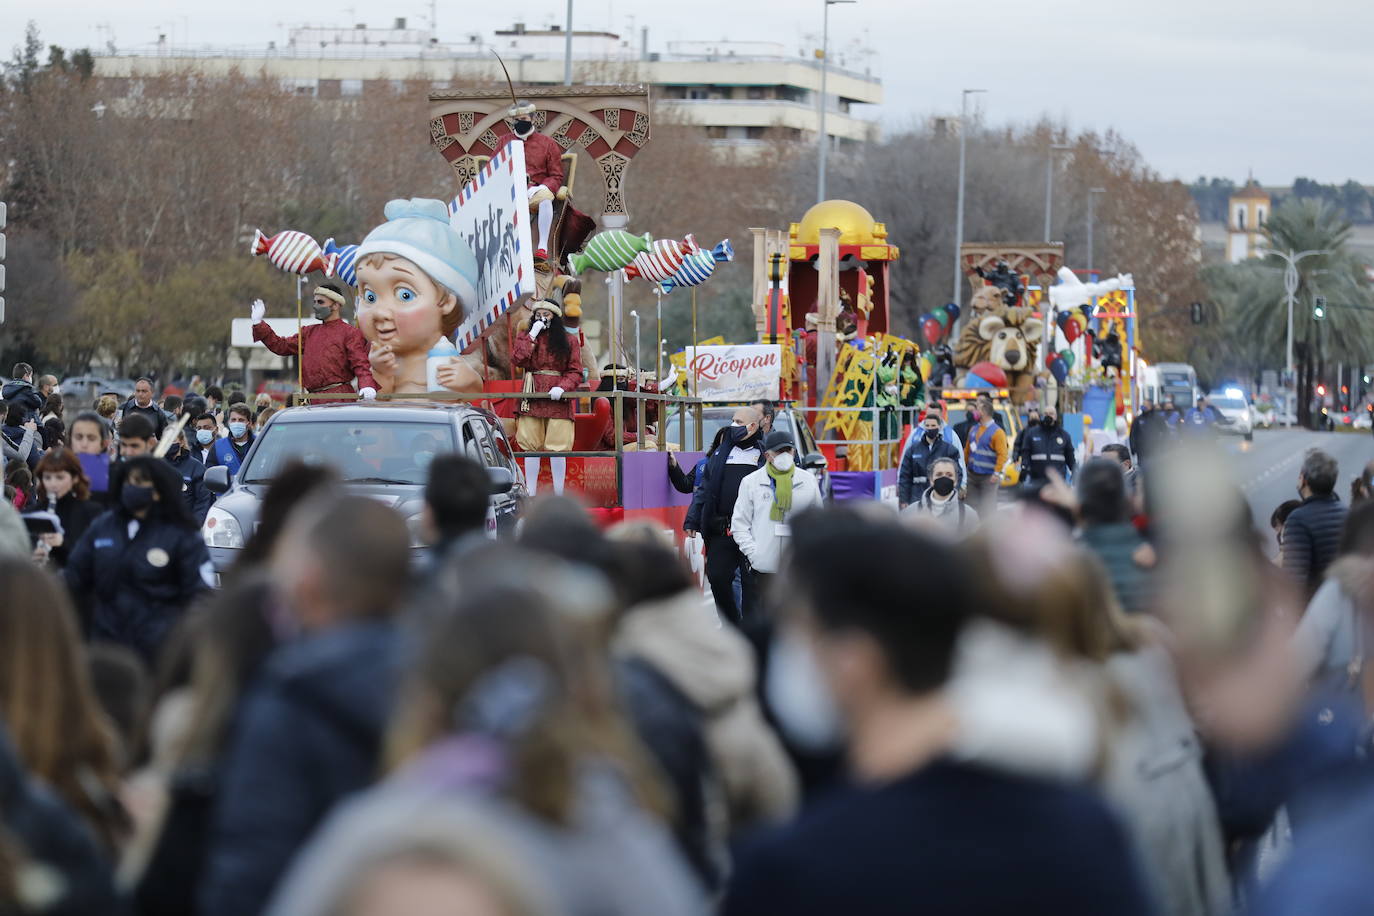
860	234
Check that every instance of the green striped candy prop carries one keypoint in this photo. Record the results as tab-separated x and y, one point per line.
610	250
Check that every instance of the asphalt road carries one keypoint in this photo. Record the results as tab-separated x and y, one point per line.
1267	468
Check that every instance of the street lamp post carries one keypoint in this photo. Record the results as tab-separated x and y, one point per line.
1290	286
567	48
1091	199
822	139
959	213
1049	183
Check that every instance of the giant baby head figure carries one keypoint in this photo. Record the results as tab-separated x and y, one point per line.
417	278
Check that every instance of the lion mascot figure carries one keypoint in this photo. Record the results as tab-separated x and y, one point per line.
1011	341
973	348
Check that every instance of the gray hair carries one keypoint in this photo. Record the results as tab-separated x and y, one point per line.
949	461
1320	471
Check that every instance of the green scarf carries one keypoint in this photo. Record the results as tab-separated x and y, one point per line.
782	492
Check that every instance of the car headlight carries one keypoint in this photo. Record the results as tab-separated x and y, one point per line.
221	530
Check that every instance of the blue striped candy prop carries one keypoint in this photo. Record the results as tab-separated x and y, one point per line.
292	251
698	266
344	256
609	250
662	260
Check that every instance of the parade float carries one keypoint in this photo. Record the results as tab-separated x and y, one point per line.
517	257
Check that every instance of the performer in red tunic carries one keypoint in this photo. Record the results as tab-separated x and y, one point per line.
332	352
543	168
552	360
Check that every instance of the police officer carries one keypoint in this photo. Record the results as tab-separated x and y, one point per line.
1018	451
1046	447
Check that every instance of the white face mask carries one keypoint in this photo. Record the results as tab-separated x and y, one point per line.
783	461
800	698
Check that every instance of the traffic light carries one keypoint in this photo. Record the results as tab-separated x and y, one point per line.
1319	308
1196	309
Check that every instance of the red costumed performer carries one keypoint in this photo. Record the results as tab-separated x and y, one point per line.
543	168
552	360
332	352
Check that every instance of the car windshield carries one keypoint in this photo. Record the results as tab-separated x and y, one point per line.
1227	403
363	452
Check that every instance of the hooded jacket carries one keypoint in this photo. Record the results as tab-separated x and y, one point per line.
131	590
754	530
714	668
308	735
196	498
19	391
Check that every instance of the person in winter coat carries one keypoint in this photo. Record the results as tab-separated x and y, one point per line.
19	390
51	856
1331	636
714	668
504	712
142	403
552	360
713	507
1312	532
1055	662
986	451
64	490
205	429
768	499
1106	531
196	498
914	477
941	502
21	439
309	733
231	450
1150	433
687	482
138	566
1018	449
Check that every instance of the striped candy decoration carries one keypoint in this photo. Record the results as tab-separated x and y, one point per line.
344	255
292	251
662	260
698	266
610	250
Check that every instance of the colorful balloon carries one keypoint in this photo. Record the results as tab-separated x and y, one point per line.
953	310
1062	318
1067	356
698	266
991	372
609	250
932	330
292	251
663	259
941	315
1059	369
1072	330
344	267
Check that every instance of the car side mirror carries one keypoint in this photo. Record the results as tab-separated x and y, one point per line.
502	480
814	462
217	479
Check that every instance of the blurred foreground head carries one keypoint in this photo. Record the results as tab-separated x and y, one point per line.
342	558
855	639
518	665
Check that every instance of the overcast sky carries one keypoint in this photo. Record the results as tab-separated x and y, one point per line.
1214	87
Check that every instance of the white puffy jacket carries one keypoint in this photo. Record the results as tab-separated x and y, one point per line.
756	533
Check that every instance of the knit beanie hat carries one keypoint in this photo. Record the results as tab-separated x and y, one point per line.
418	230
